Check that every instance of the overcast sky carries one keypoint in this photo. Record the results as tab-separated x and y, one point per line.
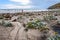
27	4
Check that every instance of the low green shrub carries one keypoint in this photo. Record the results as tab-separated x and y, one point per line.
31	25
1	17
56	37
49	18
37	24
2	22
58	22
6	24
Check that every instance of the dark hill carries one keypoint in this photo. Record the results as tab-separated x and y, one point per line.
55	6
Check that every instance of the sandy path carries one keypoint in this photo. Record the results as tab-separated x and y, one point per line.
15	31
22	35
